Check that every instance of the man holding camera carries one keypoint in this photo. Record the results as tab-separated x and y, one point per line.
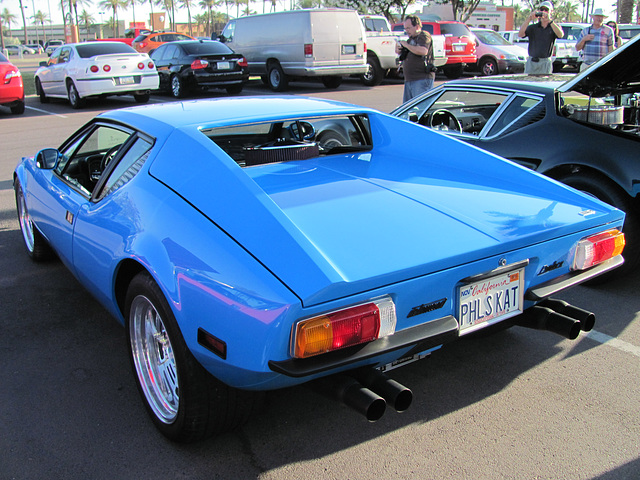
542	37
416	55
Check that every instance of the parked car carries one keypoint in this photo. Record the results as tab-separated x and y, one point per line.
19	50
317	43
148	42
460	45
36	47
189	65
514	37
51	45
245	247
583	130
627	31
78	71
11	86
497	55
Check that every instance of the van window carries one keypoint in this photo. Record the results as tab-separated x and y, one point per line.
227	33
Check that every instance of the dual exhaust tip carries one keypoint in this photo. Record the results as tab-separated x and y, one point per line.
368	391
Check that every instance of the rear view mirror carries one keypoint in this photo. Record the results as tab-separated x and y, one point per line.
47	158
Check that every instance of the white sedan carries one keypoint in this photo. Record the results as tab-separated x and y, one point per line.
80	70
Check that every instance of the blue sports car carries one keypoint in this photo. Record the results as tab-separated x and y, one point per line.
256	243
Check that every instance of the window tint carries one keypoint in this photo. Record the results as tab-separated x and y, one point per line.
514	110
128	166
206	48
140	38
454	29
427	28
104	48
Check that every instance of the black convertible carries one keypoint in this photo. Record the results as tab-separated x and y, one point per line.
583	130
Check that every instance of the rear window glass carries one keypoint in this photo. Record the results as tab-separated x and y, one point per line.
293	139
106	48
3	58
206	48
454	29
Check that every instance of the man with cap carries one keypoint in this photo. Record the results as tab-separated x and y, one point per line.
595	41
542	37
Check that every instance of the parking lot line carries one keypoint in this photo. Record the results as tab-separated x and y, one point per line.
614	342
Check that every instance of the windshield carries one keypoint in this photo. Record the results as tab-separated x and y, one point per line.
206	48
455	29
490	38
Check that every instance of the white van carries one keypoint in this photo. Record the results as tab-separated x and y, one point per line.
321	43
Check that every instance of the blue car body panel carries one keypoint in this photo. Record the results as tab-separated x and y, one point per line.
244	253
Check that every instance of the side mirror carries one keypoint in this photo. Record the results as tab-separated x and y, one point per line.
44	63
47	158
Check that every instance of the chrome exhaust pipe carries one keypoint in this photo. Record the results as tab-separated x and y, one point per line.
352	393
396	394
586	318
543	318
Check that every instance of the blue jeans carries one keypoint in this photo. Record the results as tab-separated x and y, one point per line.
416	87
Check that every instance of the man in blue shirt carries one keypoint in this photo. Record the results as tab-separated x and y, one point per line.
542	36
595	41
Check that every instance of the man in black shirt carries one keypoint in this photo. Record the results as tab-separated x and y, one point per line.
416	56
542	36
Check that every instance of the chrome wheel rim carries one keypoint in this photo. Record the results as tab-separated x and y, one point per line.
275	77
175	86
154	359
26	226
73	96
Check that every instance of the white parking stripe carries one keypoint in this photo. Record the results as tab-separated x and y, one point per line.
614	342
44	111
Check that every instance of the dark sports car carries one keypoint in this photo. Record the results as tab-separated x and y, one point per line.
583	130
192	65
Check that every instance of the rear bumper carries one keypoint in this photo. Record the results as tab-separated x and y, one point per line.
328	70
511	66
205	79
109	85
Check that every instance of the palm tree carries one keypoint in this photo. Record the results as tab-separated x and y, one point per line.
38	19
201	20
169	6
6	17
187	4
208	5
24	23
113	5
86	20
625	11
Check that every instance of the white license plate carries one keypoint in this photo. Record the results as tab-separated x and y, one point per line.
224	65
126	80
458	48
490	300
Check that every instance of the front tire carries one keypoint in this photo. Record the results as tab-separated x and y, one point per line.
488	67
40	92
234	89
37	247
184	401
141	97
453	71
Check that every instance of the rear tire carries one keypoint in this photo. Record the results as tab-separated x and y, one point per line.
184	401
142	97
278	81
74	97
605	190
332	81
177	87
453	71
234	89
18	108
374	74
37	247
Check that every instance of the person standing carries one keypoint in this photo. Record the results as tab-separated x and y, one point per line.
617	40
542	37
414	54
595	41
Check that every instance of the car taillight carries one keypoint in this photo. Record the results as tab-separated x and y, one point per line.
198	64
151	65
308	49
106	68
598	248
365	48
141	66
142	44
11	74
243	62
94	68
344	328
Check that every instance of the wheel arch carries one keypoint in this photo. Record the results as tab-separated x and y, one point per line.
559	171
125	273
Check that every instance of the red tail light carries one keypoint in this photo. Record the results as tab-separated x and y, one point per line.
308	49
243	62
365	48
151	65
141	66
11	74
199	64
598	248
106	68
94	68
344	328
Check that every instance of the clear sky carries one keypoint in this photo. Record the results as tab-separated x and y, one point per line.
52	9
